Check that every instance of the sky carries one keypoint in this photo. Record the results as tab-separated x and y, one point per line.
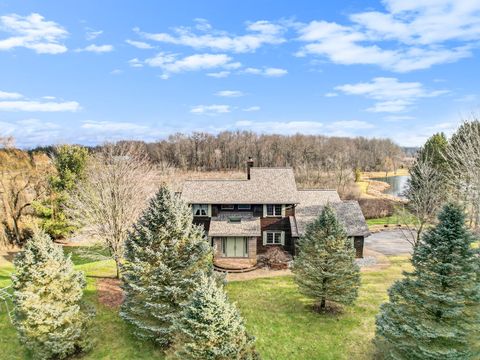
93	71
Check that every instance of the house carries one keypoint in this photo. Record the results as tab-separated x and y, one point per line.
243	218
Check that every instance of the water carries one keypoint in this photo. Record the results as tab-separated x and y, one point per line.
398	184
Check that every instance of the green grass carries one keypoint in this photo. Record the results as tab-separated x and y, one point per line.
279	317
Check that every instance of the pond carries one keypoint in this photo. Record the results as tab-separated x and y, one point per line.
398	184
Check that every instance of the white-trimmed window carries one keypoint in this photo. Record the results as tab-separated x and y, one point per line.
274	238
227	206
200	209
273	210
244	207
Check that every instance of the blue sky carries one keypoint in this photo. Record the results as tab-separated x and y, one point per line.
91	71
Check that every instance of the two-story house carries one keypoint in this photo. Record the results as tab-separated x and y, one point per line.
244	217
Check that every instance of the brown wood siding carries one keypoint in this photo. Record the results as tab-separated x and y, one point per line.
202	220
279	224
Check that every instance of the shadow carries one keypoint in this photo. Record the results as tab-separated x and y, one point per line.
9	255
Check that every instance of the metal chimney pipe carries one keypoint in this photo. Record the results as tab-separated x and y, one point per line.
249	166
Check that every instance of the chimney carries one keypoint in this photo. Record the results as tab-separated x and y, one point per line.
249	166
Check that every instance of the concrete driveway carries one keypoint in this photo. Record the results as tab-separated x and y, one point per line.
389	242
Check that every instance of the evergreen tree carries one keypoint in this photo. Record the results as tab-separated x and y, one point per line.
325	268
211	328
70	162
433	313
50	317
166	256
435	151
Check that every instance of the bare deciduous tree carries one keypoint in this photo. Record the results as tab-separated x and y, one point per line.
118	182
426	194
18	190
463	159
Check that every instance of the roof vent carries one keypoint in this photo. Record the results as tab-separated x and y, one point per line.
234	219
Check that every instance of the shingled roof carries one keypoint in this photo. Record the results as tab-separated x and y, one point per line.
242	225
266	186
348	213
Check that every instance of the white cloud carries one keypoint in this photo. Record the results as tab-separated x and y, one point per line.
465	98
251	108
170	63
32	132
139	44
220	74
350	124
267	72
135	63
92	34
410	35
9	95
331	94
97	48
210	109
258	34
32	32
109	126
230	93
38	106
116	72
391	95
281	127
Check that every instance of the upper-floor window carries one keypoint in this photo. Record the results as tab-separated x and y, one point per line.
227	207
274	210
200	209
244	207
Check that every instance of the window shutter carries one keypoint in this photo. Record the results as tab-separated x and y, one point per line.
282	238
209	210
264	238
283	210
264	210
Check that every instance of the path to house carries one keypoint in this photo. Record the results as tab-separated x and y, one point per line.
390	242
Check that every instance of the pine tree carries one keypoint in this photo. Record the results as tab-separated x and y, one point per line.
433	313
50	317
211	328
166	256
325	268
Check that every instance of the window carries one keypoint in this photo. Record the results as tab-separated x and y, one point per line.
274	238
200	209
274	210
227	207
244	207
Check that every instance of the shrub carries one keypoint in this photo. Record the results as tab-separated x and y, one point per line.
275	257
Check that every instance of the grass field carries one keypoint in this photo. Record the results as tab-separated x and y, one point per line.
279	317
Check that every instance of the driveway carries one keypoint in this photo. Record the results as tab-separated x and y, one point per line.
390	242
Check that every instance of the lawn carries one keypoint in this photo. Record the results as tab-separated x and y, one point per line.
275	313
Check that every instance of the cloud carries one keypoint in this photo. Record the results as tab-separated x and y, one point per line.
38	106
251	108
139	44
97	48
171	63
281	127
331	94
219	75
257	34
267	72
10	101
210	109
409	35
135	63
32	132
230	93
116	72
391	94
9	95
350	124
32	32
92	34
114	127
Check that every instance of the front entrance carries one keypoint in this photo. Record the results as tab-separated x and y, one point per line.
235	246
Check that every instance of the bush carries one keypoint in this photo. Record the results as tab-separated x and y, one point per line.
275	257
377	208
